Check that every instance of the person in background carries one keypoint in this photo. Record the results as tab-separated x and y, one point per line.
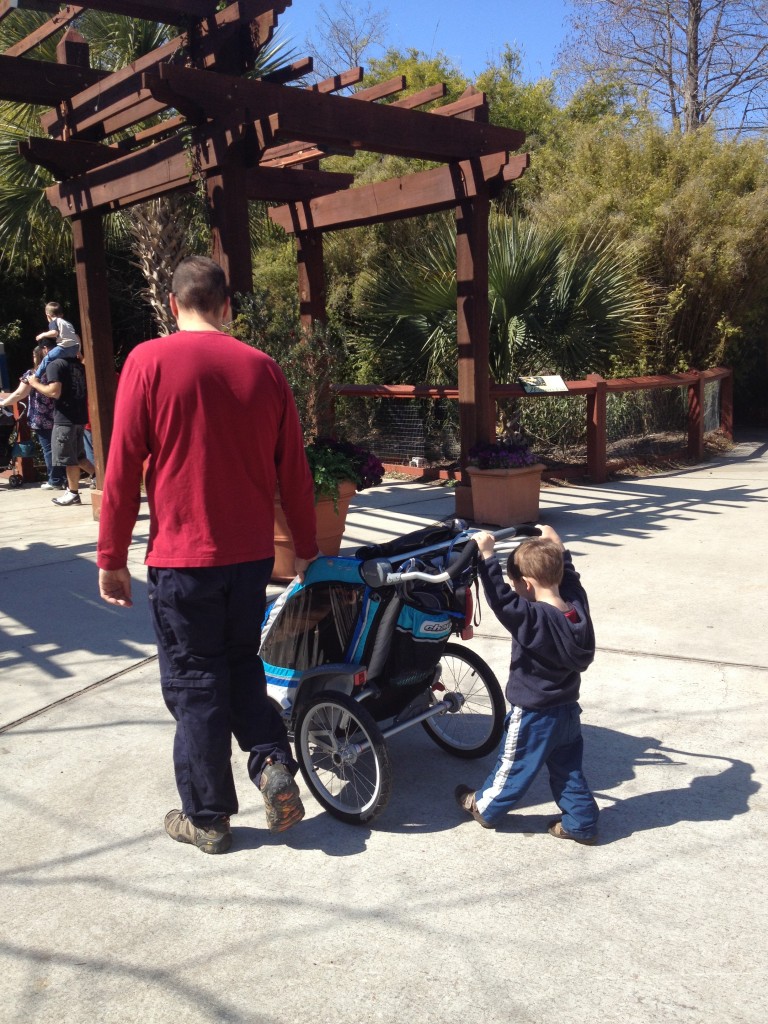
66	385
40	418
61	337
211	544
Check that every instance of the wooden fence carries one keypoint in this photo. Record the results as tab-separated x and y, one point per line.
596	390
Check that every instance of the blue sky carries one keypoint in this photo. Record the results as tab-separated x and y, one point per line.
468	31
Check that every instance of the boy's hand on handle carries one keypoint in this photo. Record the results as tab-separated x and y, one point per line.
547	533
485	542
115	587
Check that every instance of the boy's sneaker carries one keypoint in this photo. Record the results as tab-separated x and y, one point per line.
49	487
281	797
555	828
465	798
68	498
216	839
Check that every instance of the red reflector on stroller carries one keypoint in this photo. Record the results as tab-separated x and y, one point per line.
359	678
468	631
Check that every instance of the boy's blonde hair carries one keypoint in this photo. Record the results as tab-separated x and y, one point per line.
539	559
52	309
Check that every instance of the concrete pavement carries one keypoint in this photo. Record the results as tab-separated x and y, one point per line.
424	915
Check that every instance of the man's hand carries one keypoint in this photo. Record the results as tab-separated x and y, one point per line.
300	564
115	587
485	542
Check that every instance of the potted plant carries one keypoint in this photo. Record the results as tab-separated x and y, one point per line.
506	480
339	468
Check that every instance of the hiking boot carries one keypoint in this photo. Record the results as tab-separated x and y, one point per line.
465	798
281	797
68	498
216	839
555	828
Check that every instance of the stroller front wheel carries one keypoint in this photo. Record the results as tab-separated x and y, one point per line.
343	757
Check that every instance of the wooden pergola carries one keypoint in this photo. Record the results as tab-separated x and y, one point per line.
248	139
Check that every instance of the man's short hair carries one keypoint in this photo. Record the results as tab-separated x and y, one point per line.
52	309
199	284
539	559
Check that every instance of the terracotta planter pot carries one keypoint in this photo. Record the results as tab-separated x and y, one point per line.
506	497
330	530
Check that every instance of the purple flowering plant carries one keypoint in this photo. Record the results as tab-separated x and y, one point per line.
512	452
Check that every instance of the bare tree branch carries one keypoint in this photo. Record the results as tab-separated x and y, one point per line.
696	60
345	35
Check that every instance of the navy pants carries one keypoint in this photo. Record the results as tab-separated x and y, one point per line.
550	737
208	627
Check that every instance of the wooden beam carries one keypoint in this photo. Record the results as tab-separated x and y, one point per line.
341	81
338	120
169	166
418	99
169	12
476	413
96	332
424	192
67	159
291	72
118	102
50	28
42	81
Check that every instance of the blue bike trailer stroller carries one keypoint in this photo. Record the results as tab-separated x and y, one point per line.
361	649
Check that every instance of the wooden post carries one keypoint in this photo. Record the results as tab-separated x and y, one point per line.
726	405
312	314
228	207
476	411
696	419
96	335
597	467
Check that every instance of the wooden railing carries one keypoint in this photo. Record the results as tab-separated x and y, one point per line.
596	390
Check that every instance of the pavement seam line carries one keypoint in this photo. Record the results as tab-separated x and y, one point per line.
630	652
78	693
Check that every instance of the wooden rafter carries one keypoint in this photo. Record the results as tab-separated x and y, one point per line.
427	191
42	81
50	28
120	102
333	120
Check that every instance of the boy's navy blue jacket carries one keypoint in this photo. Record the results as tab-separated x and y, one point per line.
549	652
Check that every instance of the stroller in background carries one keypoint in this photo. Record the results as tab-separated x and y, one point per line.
11	448
360	650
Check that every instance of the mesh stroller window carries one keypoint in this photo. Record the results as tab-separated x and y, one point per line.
315	627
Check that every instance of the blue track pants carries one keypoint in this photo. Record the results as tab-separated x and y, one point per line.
532	739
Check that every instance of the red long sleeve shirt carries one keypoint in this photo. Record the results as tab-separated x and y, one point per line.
216	424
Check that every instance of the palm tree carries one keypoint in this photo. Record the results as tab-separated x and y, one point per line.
555	306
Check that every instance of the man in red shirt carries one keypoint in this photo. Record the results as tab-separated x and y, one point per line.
212	426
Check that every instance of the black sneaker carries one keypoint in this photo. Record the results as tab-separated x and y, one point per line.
465	798
68	498
216	839
281	797
555	828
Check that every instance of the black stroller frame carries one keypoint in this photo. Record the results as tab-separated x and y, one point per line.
360	650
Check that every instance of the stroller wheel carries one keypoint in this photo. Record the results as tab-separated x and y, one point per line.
343	757
475	729
15	480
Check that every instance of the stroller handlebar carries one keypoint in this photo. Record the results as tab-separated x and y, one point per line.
377	572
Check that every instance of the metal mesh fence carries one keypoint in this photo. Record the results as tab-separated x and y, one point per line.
425	432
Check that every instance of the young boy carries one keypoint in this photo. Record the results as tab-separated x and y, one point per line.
67	339
553	642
